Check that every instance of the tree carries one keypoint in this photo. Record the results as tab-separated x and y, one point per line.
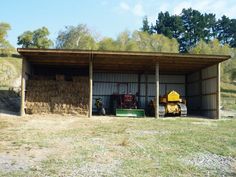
215	47
79	37
5	47
146	27
223	30
107	44
233	32
36	39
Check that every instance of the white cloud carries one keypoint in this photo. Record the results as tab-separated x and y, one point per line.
178	8
136	9
124	6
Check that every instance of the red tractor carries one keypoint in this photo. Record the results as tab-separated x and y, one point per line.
123	101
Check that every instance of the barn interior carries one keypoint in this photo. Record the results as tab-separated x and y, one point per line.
69	81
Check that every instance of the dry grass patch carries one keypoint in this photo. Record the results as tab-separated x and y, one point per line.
54	145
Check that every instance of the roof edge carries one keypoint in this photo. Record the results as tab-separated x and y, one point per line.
133	53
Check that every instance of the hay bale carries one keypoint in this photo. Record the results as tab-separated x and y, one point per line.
58	96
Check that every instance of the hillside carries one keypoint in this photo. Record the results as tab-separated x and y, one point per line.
10	71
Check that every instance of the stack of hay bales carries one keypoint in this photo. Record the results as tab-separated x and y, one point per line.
45	95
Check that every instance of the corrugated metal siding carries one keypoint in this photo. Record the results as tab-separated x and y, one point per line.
193	89
209	102
106	84
211	114
209	91
193	103
165	78
209	86
115	77
193	77
193	93
209	72
180	88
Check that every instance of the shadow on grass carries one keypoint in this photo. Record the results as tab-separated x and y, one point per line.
228	90
9	102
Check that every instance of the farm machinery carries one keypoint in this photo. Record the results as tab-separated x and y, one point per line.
170	105
125	105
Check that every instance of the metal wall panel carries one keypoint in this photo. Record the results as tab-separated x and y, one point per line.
172	79
115	77
209	72
209	113
194	93
209	102
210	91
193	89
164	78
180	88
193	103
106	84
104	88
193	77
209	86
202	90
142	89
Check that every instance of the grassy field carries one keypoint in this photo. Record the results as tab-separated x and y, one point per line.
69	146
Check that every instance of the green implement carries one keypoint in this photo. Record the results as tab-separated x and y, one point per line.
130	112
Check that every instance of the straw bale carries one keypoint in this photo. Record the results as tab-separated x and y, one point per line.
57	96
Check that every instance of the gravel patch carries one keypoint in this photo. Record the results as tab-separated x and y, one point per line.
23	159
220	164
98	169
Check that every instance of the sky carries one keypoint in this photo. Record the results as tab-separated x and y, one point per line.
104	17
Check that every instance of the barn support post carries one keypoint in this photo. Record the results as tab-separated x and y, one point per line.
22	106
139	79
146	90
157	90
218	91
90	85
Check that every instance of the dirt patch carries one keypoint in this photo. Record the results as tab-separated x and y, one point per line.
23	159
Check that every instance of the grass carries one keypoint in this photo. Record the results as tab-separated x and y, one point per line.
62	146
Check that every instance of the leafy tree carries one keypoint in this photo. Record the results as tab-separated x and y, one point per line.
124	41
36	39
191	26
223	30
107	44
153	43
233	33
76	37
215	47
5	47
146	27
193	22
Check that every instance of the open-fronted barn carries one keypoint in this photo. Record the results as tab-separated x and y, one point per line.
69	81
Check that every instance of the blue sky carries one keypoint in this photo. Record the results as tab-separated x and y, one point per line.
105	17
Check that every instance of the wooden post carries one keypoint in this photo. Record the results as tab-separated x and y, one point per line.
146	90
139	79
22	107
90	85
218	91
157	91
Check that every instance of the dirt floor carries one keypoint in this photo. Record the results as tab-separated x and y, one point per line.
56	145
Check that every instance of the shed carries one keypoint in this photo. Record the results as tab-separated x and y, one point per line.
56	80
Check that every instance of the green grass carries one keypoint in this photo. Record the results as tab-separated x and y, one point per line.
115	147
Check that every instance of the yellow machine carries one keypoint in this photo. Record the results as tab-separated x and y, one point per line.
171	104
